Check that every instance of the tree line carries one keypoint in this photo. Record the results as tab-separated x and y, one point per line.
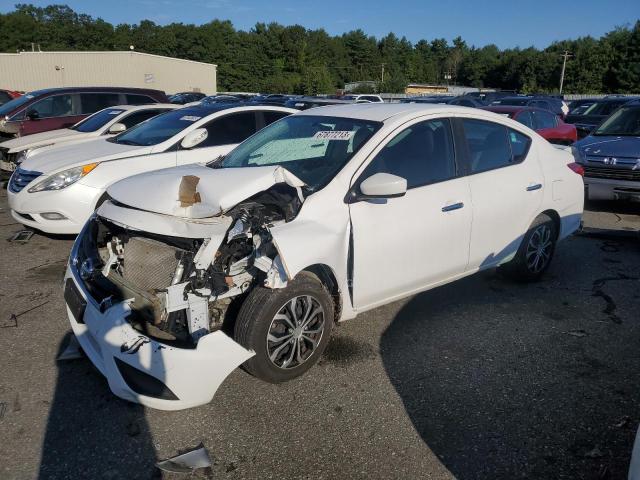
292	59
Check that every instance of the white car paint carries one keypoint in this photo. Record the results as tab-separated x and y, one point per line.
115	162
401	246
25	146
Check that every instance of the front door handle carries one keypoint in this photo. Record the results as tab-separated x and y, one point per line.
453	206
532	188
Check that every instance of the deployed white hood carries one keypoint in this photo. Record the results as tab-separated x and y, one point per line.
40	139
216	190
56	158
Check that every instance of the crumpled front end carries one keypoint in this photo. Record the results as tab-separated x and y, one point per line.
151	297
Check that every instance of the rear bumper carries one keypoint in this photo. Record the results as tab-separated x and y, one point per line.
140	369
611	189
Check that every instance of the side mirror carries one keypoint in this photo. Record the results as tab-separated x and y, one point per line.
194	138
117	128
382	185
33	115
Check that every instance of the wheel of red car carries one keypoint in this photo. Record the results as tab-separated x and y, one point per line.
288	328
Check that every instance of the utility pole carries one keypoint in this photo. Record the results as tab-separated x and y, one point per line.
382	74
564	56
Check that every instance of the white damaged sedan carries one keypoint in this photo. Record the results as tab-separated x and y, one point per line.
185	274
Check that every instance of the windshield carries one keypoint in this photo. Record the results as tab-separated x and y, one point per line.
625	121
603	108
15	103
313	148
97	120
158	129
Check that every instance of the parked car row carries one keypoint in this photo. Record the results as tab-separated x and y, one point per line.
221	234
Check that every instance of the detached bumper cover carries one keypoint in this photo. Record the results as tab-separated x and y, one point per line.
141	369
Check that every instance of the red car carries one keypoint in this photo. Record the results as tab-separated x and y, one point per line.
54	108
7	96
546	123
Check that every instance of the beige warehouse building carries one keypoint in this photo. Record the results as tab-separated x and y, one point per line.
27	71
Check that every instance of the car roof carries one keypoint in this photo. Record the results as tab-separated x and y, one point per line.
210	108
92	89
380	112
144	106
507	108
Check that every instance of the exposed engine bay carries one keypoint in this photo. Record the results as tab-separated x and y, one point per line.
180	289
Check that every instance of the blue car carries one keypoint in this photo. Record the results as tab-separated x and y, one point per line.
611	156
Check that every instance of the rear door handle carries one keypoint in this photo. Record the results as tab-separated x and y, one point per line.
531	188
453	206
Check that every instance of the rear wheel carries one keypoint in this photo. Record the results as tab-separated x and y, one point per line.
288	328
535	252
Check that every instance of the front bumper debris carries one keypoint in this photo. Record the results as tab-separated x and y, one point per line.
142	369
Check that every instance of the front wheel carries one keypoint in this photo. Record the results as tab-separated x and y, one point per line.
288	328
535	252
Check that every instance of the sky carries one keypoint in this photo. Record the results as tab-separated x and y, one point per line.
506	23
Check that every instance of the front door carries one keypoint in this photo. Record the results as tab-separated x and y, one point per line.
402	245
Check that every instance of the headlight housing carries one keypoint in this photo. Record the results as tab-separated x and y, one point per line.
63	179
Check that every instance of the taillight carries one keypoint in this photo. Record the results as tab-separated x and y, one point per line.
576	167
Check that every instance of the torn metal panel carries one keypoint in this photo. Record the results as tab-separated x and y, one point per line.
165	224
186	462
218	189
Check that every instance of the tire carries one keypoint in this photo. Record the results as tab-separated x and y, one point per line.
533	258
268	312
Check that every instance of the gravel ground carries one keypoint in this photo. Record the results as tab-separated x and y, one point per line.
480	379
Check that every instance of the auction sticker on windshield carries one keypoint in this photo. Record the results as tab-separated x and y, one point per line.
334	134
190	118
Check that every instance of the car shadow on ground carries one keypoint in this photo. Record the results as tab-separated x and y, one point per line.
501	381
91	433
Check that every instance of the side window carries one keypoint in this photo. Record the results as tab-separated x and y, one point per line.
138	99
422	154
92	102
138	117
233	128
53	106
544	120
271	116
520	144
488	145
525	118
4	97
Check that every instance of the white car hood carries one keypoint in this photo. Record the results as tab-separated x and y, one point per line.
40	139
215	190
60	157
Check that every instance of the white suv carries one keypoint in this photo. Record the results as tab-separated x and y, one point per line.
321	216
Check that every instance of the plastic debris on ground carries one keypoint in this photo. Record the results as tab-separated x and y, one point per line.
186	462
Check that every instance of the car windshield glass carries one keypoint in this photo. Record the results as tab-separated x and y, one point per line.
15	103
602	108
97	120
625	121
158	129
313	148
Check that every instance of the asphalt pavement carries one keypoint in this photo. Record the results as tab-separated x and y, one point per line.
479	379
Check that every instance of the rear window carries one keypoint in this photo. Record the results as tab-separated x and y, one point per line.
92	102
492	146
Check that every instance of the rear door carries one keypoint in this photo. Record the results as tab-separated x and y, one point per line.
507	185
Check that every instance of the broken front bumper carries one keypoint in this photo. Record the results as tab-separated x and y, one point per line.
139	368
